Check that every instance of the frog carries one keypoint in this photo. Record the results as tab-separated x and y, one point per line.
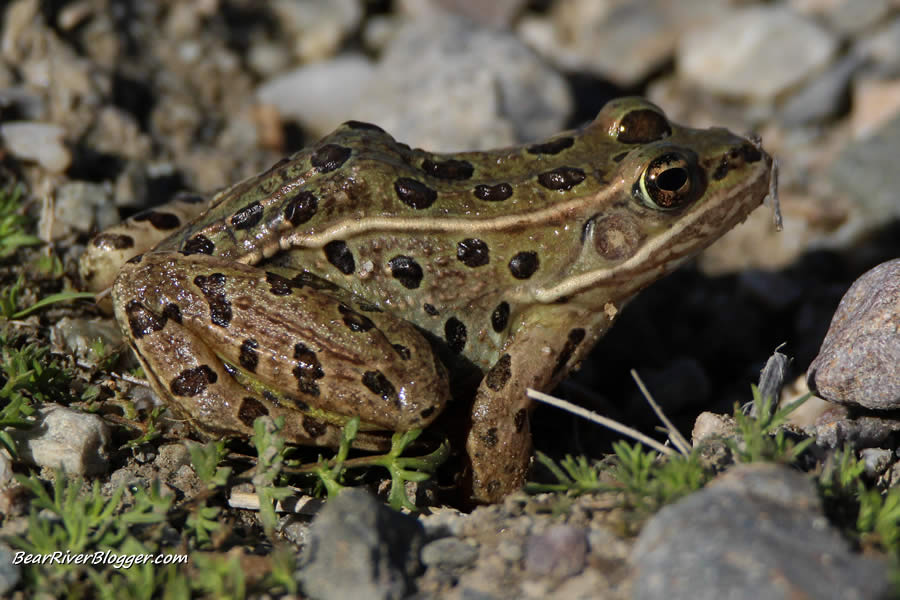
360	277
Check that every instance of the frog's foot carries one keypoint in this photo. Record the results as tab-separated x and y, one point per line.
108	250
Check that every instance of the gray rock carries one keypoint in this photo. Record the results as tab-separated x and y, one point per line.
359	548
320	95
877	460
836	429
758	53
6	469
624	42
825	96
80	206
558	552
317	26
468	88
449	553
39	142
867	172
757	532
857	363
9	572
65	439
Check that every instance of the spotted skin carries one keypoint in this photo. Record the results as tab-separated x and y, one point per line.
354	277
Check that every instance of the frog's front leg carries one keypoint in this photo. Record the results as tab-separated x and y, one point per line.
543	348
223	343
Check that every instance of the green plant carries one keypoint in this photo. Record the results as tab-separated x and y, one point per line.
762	438
12	223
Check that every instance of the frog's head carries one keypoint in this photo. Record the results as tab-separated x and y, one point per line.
671	192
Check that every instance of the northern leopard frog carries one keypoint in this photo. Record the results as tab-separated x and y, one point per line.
363	277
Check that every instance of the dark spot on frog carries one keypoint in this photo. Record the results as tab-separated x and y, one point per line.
355	321
553	146
722	170
427	412
360	125
406	270
750	153
136	259
308	369
367	307
172	312
199	244
143	321
500	317
451	169
403	351
339	255
247	217
233	372
414	194
430	309
576	336
490	437
160	220
193	382
330	157
492	487
455	334
301	208
270	397
524	264
493	193
561	178
248	358
279	286
620	156
473	252
213	289
113	241
312	281
250	409
379	385
520	419
499	374
297	402
314	427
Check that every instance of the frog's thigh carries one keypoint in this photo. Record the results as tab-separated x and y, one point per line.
499	441
108	250
282	337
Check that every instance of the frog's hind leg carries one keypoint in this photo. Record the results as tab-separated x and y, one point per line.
225	342
107	251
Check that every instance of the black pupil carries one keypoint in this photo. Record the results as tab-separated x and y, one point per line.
671	180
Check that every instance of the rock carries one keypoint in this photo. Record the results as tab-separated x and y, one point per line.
39	142
469	88
865	171
824	97
321	95
81	206
9	572
317	26
558	552
756	532
449	553
624	42
65	439
360	548
498	13
877	460
758	53
858	361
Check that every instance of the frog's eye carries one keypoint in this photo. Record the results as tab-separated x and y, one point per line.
668	182
641	126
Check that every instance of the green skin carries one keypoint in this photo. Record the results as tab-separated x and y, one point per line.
359	277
